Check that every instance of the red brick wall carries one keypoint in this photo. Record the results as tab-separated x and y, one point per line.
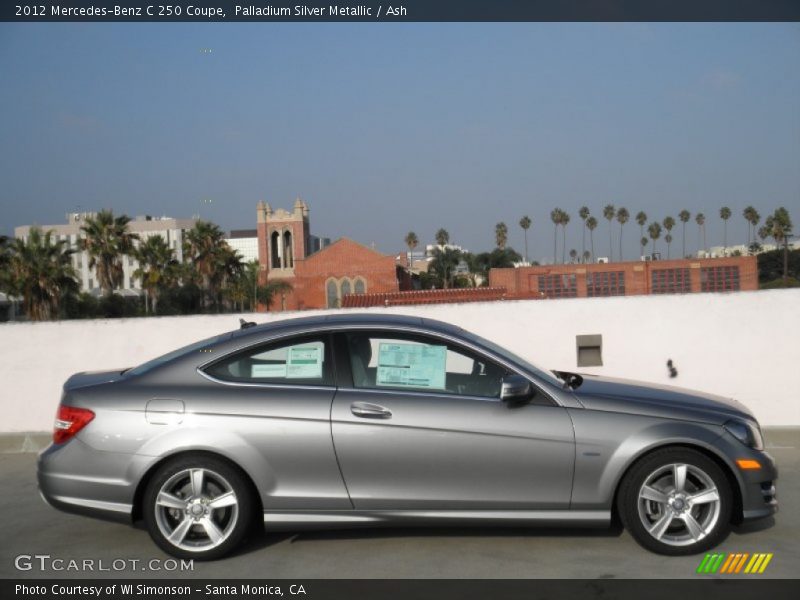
523	282
343	258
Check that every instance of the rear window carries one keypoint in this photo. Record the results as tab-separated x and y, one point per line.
175	354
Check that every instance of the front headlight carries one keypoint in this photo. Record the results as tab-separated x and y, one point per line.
746	432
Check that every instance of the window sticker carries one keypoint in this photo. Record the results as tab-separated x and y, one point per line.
411	365
268	370
304	362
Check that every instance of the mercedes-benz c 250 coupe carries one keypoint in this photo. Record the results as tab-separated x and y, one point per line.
369	419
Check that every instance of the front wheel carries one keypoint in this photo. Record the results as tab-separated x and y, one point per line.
197	507
676	501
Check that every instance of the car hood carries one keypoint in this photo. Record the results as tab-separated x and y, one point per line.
636	397
87	378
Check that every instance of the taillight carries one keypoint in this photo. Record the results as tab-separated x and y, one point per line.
69	421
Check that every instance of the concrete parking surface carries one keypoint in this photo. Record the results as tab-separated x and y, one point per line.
29	527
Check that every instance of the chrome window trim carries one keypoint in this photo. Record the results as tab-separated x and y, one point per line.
266	384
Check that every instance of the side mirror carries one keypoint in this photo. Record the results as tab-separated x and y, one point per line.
515	388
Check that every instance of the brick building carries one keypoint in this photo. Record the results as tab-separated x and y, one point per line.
321	278
628	278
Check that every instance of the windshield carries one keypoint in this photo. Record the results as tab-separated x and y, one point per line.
180	352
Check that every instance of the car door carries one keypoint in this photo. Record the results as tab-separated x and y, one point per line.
418	423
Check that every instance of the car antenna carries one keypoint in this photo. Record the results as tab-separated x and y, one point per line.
246	324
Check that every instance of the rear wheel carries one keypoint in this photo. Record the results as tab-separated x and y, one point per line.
676	501
197	507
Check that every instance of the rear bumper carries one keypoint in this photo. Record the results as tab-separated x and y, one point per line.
75	478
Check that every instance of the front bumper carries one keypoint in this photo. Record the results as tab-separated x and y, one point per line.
759	493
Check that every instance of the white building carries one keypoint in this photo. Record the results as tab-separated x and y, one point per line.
245	242
172	230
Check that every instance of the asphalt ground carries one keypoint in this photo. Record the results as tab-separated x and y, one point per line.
28	527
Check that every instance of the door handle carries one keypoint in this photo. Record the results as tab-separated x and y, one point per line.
370	411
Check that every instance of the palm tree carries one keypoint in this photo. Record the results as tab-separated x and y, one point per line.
684	216
525	222
564	221
583	213
643	242
266	293
654	230
107	240
444	263
411	241
725	214
157	269
213	260
501	235
779	225
641	220
40	271
700	219
752	217
442	237
573	254
586	256
591	225
669	223
555	217
622	217
608	213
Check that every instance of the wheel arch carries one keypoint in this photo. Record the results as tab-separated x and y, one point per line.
138	496
707	451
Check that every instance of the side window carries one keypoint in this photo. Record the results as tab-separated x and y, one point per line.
395	361
303	361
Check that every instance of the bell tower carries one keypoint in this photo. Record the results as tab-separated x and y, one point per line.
283	238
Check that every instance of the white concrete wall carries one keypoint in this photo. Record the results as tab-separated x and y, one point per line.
742	345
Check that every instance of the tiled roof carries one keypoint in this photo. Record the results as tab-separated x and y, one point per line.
480	294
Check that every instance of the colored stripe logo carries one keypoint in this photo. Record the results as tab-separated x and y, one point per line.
742	563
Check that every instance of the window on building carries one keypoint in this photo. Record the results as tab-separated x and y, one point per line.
558	286
719	279
287	250
275	250
299	361
360	286
346	289
611	283
387	360
332	294
670	281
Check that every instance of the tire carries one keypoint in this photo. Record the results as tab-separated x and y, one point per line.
675	519
198	507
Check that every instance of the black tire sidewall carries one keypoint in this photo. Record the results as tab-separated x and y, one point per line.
628	498
233	476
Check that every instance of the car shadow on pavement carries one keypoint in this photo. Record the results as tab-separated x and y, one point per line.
258	540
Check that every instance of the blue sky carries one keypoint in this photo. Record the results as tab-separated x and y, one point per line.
383	128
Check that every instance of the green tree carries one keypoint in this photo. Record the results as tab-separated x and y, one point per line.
157	269
501	235
564	221
584	214
753	218
573	255
555	217
443	265
725	214
700	219
210	259
779	225
411	241
622	217
654	231
591	225
442	237
40	271
643	242
641	220
525	222
684	217
609	212
106	240
668	223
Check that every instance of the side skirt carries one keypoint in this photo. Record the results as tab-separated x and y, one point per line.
280	520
